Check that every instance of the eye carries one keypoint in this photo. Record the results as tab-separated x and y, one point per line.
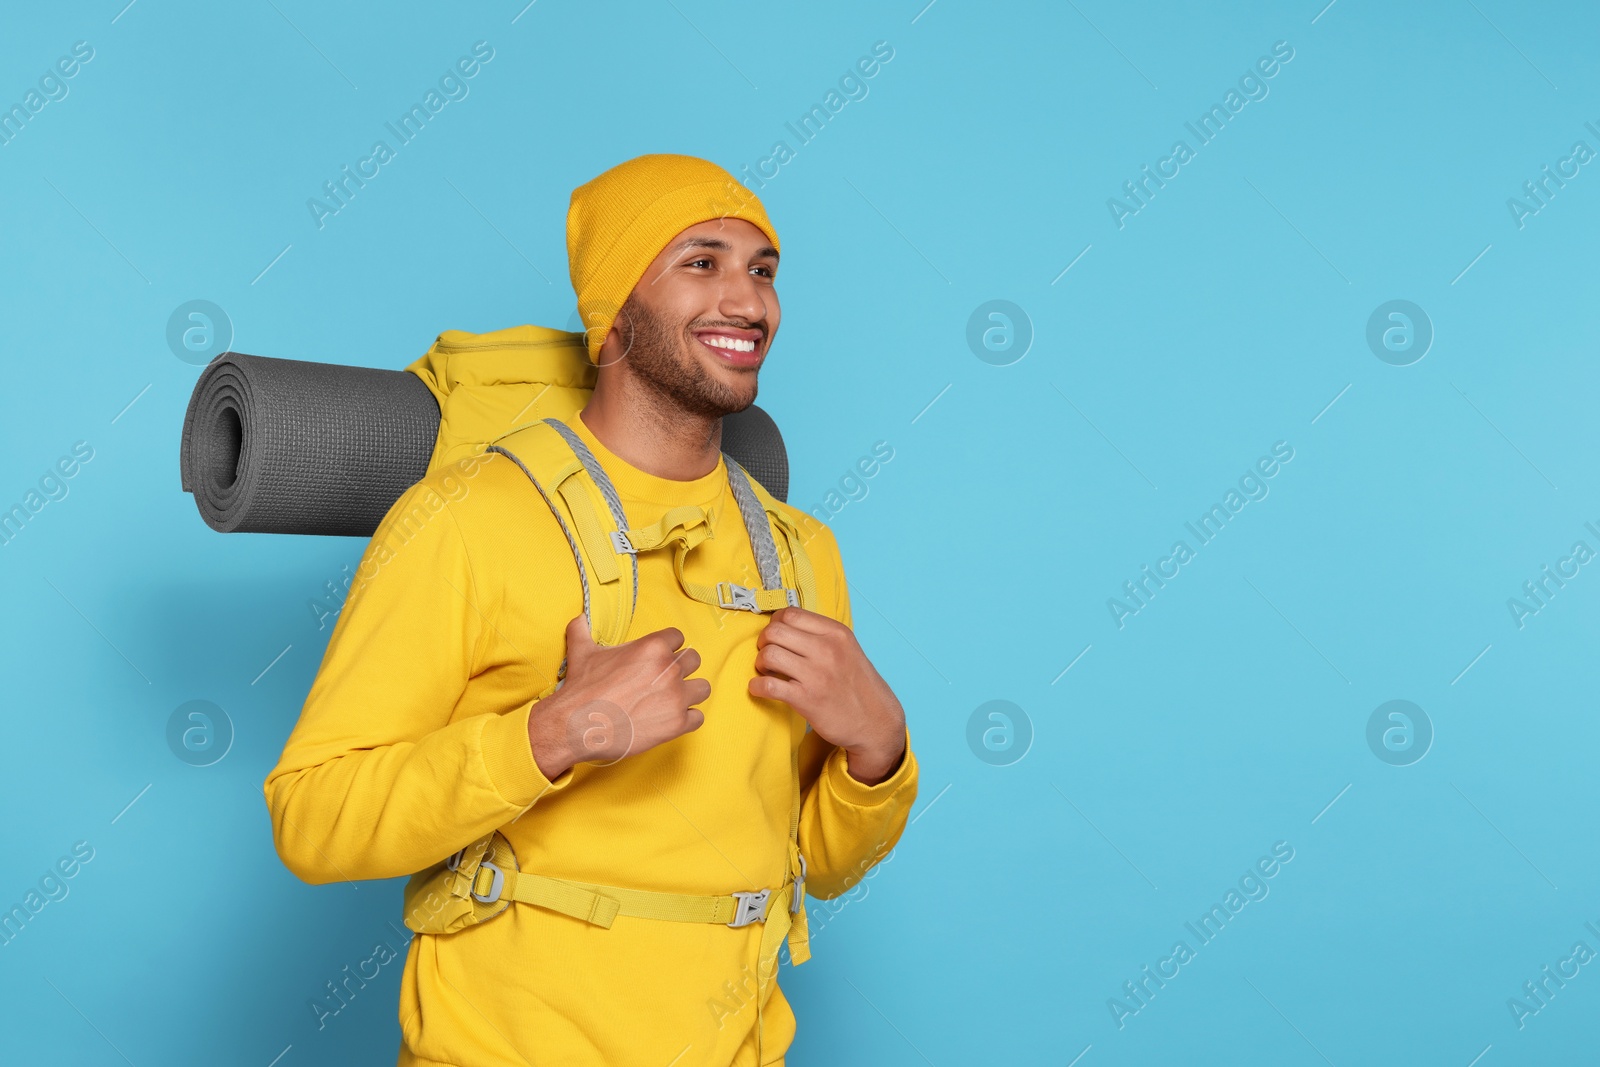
703	259
766	271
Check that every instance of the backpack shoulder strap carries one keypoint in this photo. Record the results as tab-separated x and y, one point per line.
564	475
777	557
605	547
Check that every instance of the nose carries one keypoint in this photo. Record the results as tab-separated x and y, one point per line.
743	298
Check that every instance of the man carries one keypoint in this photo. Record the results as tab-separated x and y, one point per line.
423	730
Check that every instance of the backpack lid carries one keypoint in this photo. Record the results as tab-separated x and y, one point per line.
488	384
517	355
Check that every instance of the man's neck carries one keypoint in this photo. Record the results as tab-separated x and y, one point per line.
659	440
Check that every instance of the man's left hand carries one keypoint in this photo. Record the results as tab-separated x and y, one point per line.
816	666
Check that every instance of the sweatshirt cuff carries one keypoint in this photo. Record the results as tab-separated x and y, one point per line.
852	791
508	755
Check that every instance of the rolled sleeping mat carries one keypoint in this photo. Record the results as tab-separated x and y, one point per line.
291	446
288	446
751	437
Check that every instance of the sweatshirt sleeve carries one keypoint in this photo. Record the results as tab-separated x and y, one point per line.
376	780
847	826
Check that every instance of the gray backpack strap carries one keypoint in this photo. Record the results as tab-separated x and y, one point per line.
577	556
598	475
756	525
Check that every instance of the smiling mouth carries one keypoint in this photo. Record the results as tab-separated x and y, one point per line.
738	348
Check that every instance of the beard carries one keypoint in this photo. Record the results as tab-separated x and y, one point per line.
659	354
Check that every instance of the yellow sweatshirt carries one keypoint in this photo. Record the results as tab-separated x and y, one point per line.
413	742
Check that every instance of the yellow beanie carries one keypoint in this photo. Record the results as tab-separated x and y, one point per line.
620	221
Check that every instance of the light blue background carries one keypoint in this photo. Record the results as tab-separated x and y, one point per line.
1223	317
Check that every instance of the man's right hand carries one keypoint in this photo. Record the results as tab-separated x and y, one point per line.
616	700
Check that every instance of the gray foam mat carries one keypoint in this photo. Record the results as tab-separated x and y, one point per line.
288	446
751	437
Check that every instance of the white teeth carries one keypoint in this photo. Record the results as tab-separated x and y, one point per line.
730	343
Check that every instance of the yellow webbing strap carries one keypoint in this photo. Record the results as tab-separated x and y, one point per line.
611	585
798	931
601	904
685	528
538	449
805	579
658	533
723	594
597	548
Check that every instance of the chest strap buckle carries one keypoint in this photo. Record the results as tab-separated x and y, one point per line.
737	596
752	907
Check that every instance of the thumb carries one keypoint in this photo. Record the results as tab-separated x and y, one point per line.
579	639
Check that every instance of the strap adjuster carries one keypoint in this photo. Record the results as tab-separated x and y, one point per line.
455	859
741	597
495	886
620	542
799	886
752	907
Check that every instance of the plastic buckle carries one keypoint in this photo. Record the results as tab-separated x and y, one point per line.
799	886
752	907
620	542
739	596
455	859
495	886
793	597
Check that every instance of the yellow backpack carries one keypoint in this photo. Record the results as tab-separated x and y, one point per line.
488	384
518	389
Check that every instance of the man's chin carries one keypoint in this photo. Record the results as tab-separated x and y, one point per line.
738	404
738	388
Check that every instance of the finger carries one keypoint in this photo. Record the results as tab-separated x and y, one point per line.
696	691
580	643
578	631
782	634
671	636
696	718
779	660
770	688
676	665
688	660
809	621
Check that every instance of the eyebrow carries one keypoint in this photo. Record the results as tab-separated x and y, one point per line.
717	244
